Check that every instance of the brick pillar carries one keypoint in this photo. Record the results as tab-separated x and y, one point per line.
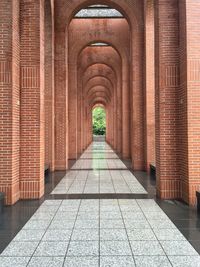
49	87
125	110
189	98
149	84
32	99
72	103
137	122
9	99
167	86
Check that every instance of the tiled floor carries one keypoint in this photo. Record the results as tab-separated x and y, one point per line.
99	170
100	232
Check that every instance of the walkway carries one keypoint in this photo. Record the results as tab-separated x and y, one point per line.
99	170
99	232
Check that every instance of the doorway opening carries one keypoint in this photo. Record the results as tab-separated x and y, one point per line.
99	122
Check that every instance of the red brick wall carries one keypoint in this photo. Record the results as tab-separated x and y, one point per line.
49	86
32	99
9	100
167	87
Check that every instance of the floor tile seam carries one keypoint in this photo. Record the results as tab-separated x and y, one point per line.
177	228
155	234
127	234
126	182
75	179
72	230
44	232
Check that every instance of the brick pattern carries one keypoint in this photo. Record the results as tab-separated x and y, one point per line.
167	86
9	100
32	99
42	124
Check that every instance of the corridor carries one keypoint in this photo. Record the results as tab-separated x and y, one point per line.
99	170
99	232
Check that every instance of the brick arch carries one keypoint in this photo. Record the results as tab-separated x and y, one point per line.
100	70
98	81
99	88
98	92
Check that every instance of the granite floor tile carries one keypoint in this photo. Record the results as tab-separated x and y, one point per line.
112	224
115	248
51	249
82	261
85	234
62	224
141	234
117	261
113	234
146	248
84	224
14	261
36	225
15	249
178	248
29	235
185	261
169	234
83	248
57	235
46	262
152	261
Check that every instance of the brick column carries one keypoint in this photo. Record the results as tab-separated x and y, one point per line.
9	100
125	110
189	98
149	97
61	101
167	86
49	97
32	99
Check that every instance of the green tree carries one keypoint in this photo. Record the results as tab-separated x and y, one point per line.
99	121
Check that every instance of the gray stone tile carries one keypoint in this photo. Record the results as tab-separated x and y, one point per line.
87	261
47	209
82	224
169	234
65	215
42	216
15	249
117	261
14	261
134	224
83	248
162	224
113	234
29	235
85	234
110	215
46	262
36	224
54	202
62	224
178	248
147	248
152	261
57	235
111	224
156	216
185	261
88	215
51	249
141	234
133	215
115	248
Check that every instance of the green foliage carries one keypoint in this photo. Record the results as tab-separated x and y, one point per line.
99	121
